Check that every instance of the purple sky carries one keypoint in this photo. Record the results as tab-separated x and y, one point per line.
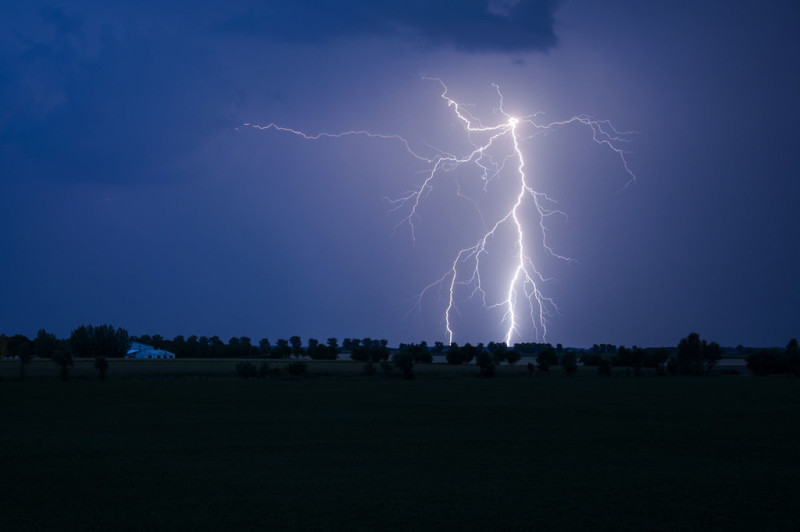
132	196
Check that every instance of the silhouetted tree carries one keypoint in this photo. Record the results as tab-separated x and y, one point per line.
622	358
569	362
157	341
531	348
313	348
22	348
196	346
419	351
264	347
297	346
461	355
604	367
655	358
103	340
281	349
370	350
101	365
637	360
405	363
63	358
319	351
696	356
80	341
246	348
45	344
590	359
468	353
348	344
499	351
178	346
216	347
112	342
712	353
232	350
333	347
766	362
546	358
485	362
793	357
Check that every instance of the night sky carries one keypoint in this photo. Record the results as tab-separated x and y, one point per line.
132	195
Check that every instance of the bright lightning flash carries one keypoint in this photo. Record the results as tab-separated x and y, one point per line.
523	300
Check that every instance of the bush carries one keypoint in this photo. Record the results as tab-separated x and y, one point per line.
486	364
387	368
570	363
672	366
604	367
101	365
461	355
546	358
405	363
370	351
768	362
296	368
263	370
369	368
423	357
590	359
513	356
64	360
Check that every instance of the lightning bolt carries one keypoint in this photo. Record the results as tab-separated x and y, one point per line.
523	301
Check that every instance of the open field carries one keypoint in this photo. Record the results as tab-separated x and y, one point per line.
585	453
43	369
224	368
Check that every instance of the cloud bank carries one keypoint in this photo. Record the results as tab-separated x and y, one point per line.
120	93
471	26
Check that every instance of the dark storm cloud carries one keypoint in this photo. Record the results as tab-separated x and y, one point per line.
467	25
100	96
119	93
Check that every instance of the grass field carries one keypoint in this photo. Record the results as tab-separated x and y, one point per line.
333	453
43	369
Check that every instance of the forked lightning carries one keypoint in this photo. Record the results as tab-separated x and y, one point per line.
523	300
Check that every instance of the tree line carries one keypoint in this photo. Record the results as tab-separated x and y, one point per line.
111	342
773	361
692	356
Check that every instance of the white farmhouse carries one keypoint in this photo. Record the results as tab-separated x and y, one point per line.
138	350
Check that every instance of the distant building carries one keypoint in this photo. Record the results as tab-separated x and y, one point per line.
138	350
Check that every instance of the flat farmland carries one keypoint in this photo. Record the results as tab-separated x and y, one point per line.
83	368
443	452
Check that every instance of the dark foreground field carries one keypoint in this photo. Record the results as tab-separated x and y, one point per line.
552	452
